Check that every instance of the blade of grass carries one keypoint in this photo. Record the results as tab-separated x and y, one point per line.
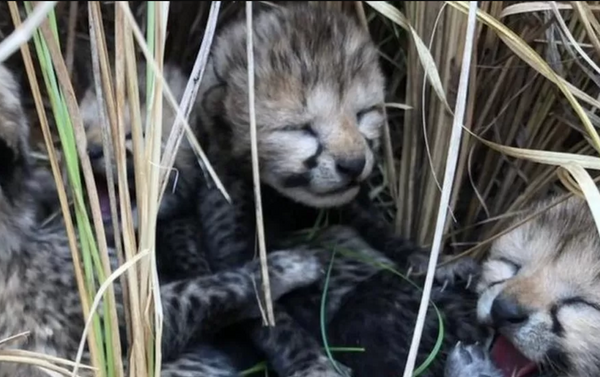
453	152
190	93
322	316
505	231
114	338
255	169
544	157
585	15
25	31
125	61
111	321
14	337
589	189
569	35
59	114
357	256
104	94
41	356
400	106
35	362
526	53
106	285
154	131
62	195
170	98
536	6
428	62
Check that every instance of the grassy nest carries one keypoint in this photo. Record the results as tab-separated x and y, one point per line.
529	126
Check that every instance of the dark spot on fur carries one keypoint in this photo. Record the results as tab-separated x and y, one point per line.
560	360
7	156
557	327
311	162
371	144
13	167
311	131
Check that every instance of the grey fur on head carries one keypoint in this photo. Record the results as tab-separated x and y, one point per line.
319	95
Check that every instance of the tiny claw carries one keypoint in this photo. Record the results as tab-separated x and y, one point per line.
469	280
409	272
444	286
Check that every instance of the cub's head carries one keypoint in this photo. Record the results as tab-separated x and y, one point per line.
540	288
319	94
95	125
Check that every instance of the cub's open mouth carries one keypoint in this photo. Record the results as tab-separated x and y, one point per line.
509	360
104	198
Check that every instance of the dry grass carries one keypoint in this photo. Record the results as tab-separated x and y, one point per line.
531	114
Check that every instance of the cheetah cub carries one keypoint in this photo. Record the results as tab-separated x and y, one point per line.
539	289
319	97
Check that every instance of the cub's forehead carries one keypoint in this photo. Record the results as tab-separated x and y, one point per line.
311	43
564	234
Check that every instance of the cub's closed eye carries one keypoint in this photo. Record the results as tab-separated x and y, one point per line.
515	266
366	111
306	128
557	326
577	301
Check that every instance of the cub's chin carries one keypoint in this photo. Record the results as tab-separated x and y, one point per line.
330	199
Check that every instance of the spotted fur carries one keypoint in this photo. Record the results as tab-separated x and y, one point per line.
38	292
319	95
319	115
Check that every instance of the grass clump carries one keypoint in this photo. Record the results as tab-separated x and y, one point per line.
530	125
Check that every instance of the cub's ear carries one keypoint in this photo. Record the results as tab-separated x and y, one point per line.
14	131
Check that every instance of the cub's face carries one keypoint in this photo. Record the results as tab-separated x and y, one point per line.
540	287
95	126
319	94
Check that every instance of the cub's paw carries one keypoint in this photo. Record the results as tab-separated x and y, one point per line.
470	361
465	269
291	269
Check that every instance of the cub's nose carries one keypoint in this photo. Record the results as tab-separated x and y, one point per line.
507	311
352	167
